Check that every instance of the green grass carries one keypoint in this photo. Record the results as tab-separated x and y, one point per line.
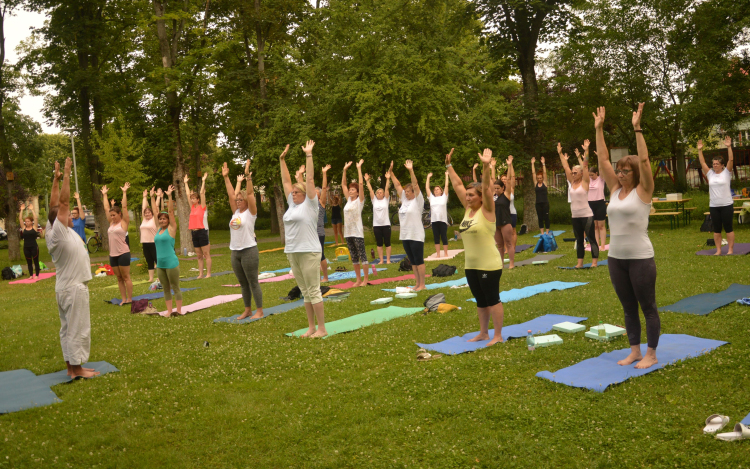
256	398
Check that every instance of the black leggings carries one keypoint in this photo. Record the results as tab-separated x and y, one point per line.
542	214
31	254
581	227
382	235
440	232
149	252
722	217
635	283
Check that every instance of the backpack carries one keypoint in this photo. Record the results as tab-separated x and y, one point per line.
433	301
524	230
707	226
8	274
405	265
138	306
546	243
293	294
443	270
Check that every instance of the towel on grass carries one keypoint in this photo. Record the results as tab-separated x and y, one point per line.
585	266
216	274
740	249
540	257
350	274
451	254
396	258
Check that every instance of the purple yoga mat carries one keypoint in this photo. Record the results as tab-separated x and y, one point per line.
740	249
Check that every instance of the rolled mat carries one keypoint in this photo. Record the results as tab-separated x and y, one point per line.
44	276
149	296
394	258
377	281
554	233
585	266
523	247
600	372
217	274
433	286
706	302
358	321
203	304
526	292
282	308
740	249
541	257
451	254
22	389
457	345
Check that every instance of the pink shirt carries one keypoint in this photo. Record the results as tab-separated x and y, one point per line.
148	230
596	189
579	202
117	244
196	217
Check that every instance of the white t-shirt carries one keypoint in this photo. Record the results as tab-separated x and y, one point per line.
438	208
410	218
719	188
301	225
242	230
512	204
69	255
353	218
380	212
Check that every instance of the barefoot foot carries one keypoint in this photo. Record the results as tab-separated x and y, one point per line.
647	362
319	334
258	314
84	374
633	357
244	315
309	332
496	339
480	337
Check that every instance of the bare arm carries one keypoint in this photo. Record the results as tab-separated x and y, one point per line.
605	166
230	189
154	203
414	183
125	215
646	187
78	204
170	208
544	172
203	190
396	183
187	188
511	178
361	187
343	179
105	199
445	189
704	166
144	203
238	185
427	184
286	180
324	187
564	161
533	171
251	202
585	171
55	193
730	156
63	212
310	174
488	202
20	216
474	172
458	185
388	181
369	187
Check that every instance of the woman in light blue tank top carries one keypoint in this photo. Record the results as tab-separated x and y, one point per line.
168	268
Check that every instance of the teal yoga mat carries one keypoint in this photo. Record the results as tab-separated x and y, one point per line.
282	308
706	302
525	292
352	323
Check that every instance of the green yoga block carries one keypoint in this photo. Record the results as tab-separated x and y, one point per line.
569	327
612	332
539	262
381	301
342	258
547	340
405	296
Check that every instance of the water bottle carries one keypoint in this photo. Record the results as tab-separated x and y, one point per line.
530	342
184	252
455	236
372	253
601	332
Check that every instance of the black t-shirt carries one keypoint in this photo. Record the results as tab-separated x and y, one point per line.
541	194
29	238
502	210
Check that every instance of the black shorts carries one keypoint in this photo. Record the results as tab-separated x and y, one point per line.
322	247
414	251
200	238
722	217
599	207
513	219
123	260
336	221
149	252
485	286
440	232
382	235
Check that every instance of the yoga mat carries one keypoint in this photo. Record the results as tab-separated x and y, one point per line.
456	345
432	286
149	296
541	257
554	233
377	281
280	278
585	266
203	304
272	250
31	280
706	302
22	389
282	308
605	248
523	247
525	292
451	254
280	271
195	258
746	420
599	372
217	274
351	274
740	249
133	259
137	282
358	321
394	259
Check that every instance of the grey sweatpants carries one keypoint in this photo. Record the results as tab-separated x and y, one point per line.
170	281
75	323
245	266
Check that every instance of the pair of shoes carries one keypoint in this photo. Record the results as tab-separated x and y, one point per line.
716	422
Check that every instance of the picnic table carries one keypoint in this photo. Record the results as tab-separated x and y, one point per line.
679	206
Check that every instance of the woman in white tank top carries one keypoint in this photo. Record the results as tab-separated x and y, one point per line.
632	269
583	217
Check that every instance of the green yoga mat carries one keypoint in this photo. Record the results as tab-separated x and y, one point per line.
352	323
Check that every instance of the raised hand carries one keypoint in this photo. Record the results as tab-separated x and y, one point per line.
390	170
447	158
367	177
699	146
283	153
308	148
153	191
23	206
249	176
224	170
486	156
326	168
509	161
346	165
578	153
159	192
409	165
533	159
205	176
476	165
57	172
559	148
446	174
170	189
564	156
542	158
186	179
586	144
145	193
637	117
359	164
429	175
598	117
104	190
728	141
240	177
125	187
247	166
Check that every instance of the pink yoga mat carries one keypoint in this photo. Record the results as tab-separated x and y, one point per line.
31	280
203	304
451	254
277	279
350	284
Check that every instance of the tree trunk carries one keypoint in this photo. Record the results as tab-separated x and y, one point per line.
14	243
526	63
279	199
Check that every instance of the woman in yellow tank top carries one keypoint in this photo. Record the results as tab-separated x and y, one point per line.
484	266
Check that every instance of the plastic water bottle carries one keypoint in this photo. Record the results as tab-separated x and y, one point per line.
184	252
530	342
372	253
601	332
455	236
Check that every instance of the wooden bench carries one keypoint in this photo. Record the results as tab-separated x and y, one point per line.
674	217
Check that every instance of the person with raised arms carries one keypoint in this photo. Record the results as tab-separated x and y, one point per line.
76	213
438	199
411	234
119	251
542	201
483	265
197	226
596	200
72	278
632	268
583	217
148	230
381	222
721	205
302	246
337	222
504	229
242	243
513	212
29	234
322	198
353	229
168	268
509	236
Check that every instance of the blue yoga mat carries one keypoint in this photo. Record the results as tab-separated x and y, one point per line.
706	302
22	389
433	286
217	274
394	258
133	259
599	372
282	308
586	266
456	345
554	233
280	271
746	420
348	275
525	292
148	296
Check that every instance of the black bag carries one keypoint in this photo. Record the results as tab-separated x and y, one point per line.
324	289
710	242
524	230
707	226
405	265
294	294
444	270
8	274
433	301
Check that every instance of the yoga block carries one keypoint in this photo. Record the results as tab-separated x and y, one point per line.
405	296
611	331
547	340
569	327
675	196
381	301
342	258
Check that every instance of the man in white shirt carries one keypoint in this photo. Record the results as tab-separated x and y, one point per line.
71	282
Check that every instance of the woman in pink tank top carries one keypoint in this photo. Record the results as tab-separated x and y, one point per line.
196	225
119	251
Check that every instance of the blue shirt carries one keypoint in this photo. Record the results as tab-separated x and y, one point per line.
78	226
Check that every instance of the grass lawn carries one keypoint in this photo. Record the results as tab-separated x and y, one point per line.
256	398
